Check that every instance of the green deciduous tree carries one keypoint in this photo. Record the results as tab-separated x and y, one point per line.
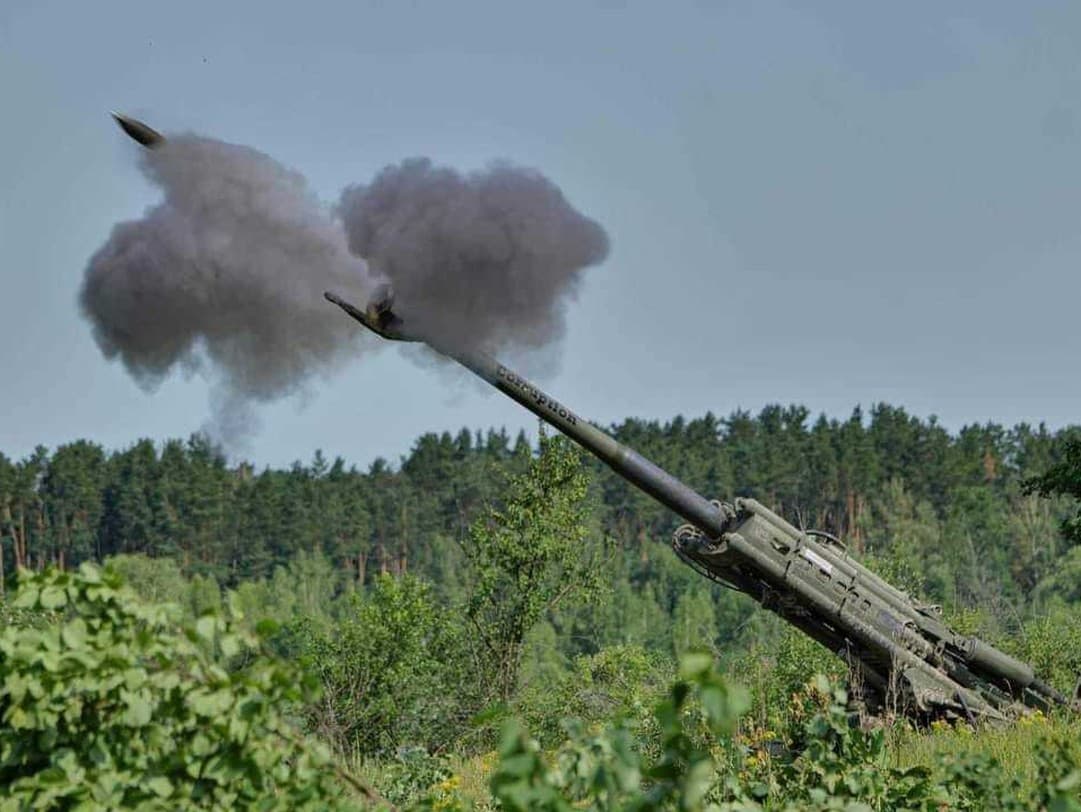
694	621
391	672
529	556
157	580
1063	478
621	682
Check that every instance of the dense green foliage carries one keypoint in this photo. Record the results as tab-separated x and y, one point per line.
828	763
112	705
405	616
861	478
946	514
109	702
1064	479
391	668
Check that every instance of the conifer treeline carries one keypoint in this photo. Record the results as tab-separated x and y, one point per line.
875	479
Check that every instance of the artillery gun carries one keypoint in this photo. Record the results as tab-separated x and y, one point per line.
903	654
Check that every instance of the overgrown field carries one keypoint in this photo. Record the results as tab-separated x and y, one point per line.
531	648
112	702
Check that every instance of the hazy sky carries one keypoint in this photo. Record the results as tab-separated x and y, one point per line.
868	202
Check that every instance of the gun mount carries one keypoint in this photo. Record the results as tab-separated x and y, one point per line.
903	653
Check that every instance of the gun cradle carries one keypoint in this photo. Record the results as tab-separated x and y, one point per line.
904	655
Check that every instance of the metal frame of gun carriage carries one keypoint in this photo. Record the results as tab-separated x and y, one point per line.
901	653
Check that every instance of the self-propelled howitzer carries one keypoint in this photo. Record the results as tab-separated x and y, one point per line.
903	653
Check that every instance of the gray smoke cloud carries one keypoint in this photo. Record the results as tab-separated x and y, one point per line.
228	269
481	259
225	276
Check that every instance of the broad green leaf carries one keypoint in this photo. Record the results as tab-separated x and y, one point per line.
1070	782
230	645
73	633
206	626
694	664
696	784
160	786
210	703
137	709
27	597
53	597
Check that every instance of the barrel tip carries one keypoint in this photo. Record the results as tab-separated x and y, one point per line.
376	316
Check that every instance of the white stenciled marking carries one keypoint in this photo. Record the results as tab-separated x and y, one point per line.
817	560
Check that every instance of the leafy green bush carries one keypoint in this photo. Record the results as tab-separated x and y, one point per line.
1052	645
780	666
1064	582
157	580
389	671
829	763
838	763
618	683
117	706
528	557
413	776
605	770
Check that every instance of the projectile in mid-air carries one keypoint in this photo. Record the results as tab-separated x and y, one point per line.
147	136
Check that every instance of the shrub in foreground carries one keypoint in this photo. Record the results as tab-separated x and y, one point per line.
114	705
827	763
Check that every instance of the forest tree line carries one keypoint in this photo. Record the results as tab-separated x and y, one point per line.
951	505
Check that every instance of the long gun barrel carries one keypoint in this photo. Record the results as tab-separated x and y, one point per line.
628	463
904	654
625	461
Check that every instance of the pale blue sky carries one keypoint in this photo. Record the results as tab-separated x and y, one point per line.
866	202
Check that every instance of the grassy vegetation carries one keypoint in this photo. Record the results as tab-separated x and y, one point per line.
110	701
535	683
817	760
1012	747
